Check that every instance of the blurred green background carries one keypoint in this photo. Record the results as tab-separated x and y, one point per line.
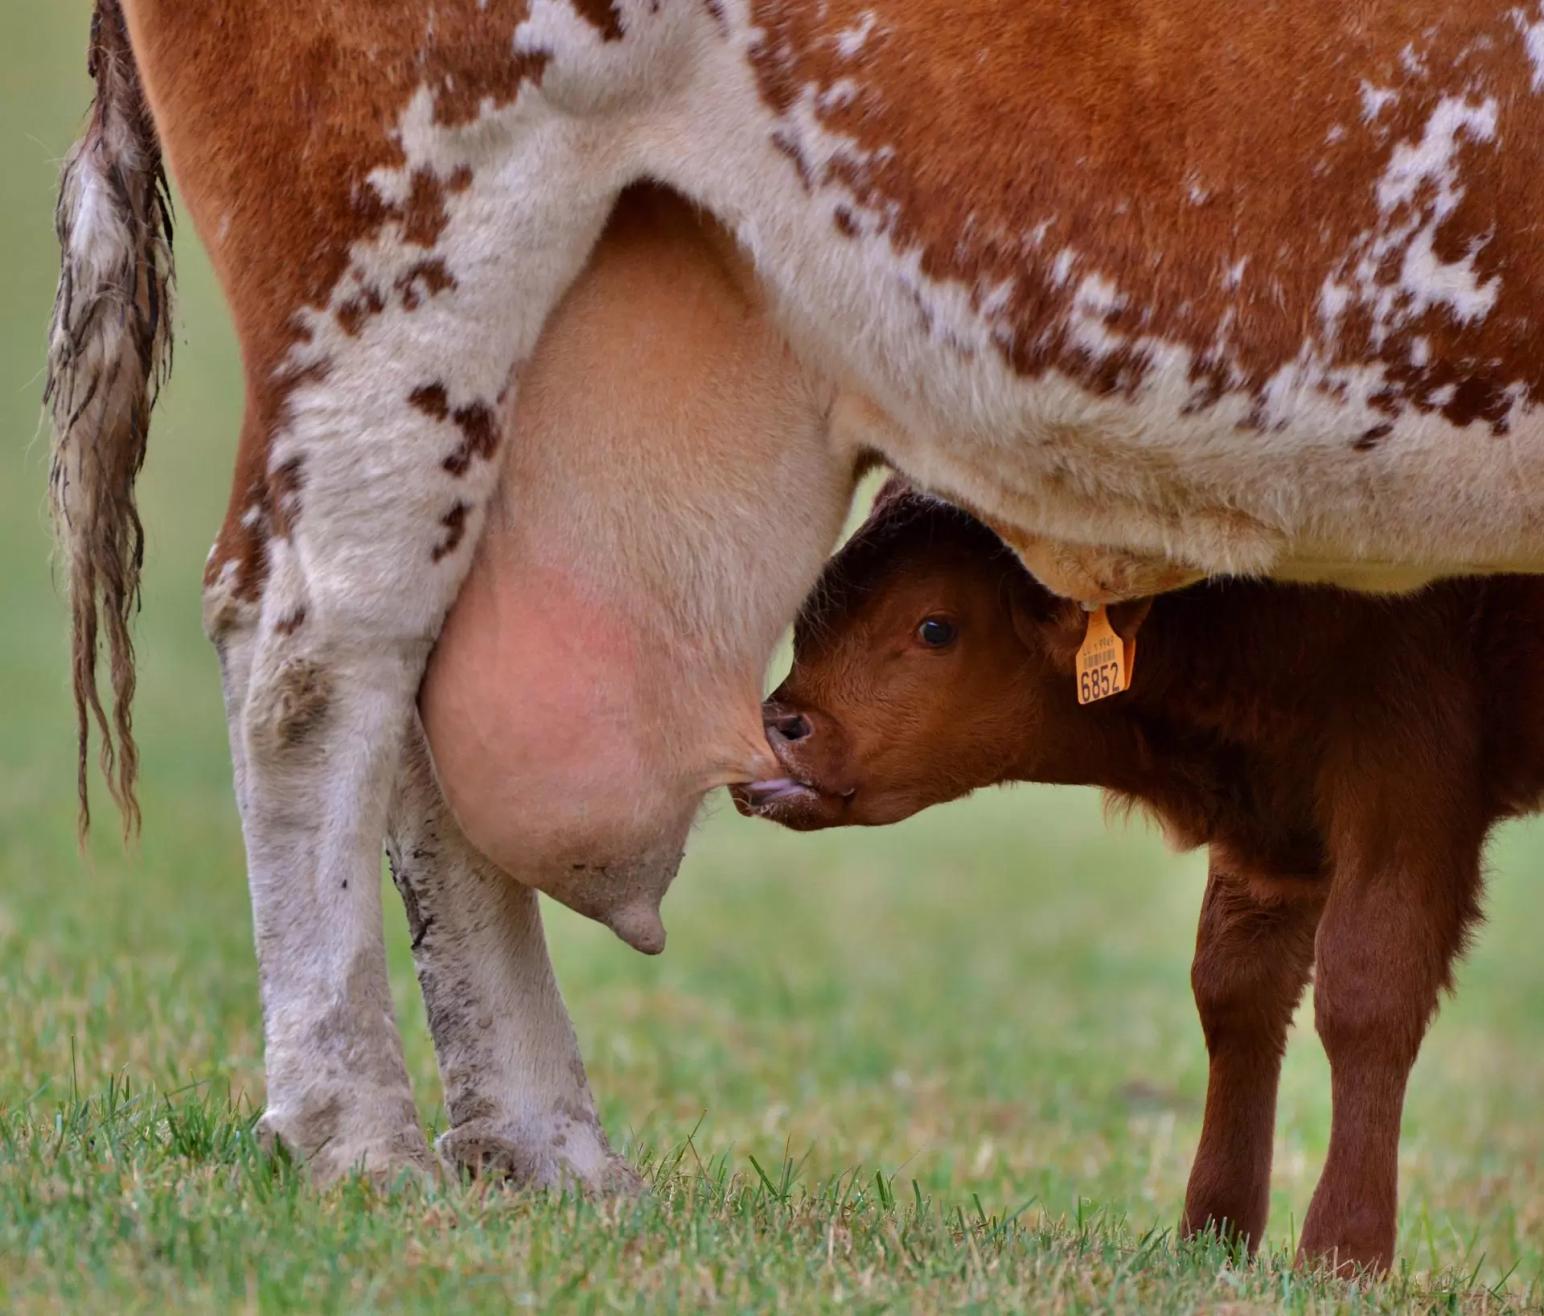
991	999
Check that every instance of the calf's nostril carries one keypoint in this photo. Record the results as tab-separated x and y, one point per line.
791	726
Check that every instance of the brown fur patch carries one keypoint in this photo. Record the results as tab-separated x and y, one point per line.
431	399
477	421
283	507
426	279
423	216
292	707
479	436
353	313
454	522
602	15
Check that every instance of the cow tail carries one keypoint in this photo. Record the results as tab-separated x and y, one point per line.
109	350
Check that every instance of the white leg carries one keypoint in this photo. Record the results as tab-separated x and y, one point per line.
515	1086
317	785
337	1087
378	476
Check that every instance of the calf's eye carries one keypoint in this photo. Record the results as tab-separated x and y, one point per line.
936	632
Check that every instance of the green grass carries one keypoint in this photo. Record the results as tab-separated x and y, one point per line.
951	1065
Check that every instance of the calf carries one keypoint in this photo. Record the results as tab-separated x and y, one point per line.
1343	758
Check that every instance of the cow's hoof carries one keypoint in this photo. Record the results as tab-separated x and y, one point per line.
384	1157
560	1152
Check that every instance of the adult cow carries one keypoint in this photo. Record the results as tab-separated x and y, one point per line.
1249	290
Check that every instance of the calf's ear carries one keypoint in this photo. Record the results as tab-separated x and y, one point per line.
1127	618
1046	623
1040	619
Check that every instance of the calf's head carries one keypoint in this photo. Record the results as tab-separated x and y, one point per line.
927	663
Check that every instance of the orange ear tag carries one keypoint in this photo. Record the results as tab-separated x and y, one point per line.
1104	660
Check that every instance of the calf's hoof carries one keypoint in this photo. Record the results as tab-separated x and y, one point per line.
1224	1227
1347	1246
331	1151
1347	1259
558	1152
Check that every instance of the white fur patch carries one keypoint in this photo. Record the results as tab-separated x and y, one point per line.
1418	193
1531	29
355	433
851	40
1375	100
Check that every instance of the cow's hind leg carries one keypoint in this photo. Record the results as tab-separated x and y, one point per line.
1254	953
332	667
338	1091
515	1086
378	461
339	1120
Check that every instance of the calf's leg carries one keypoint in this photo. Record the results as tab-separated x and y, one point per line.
515	1087
1403	895
1254	953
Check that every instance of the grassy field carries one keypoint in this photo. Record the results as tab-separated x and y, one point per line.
949	1066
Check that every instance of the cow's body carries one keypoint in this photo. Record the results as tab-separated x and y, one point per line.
1123	282
1256	290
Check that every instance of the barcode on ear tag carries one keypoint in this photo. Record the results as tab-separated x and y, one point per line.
1104	660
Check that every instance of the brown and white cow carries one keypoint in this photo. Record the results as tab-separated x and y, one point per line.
1244	290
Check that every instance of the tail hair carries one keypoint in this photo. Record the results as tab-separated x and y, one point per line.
109	350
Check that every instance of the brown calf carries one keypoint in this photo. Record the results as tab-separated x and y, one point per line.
1343	758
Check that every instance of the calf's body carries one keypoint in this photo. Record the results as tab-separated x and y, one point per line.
1343	758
